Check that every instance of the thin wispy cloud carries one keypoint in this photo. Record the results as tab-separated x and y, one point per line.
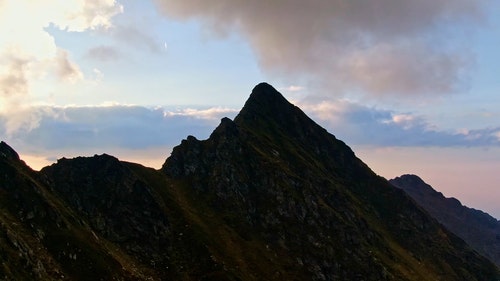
103	53
135	37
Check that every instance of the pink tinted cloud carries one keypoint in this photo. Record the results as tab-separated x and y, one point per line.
381	47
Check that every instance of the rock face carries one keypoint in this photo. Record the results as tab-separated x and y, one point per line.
480	230
268	196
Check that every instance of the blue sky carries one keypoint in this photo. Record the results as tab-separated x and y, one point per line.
411	86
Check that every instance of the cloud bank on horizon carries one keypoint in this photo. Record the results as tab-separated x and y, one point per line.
379	48
66	128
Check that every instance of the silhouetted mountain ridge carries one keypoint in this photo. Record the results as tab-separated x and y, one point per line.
268	196
477	228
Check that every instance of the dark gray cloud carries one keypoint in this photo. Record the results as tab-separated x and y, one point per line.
380	47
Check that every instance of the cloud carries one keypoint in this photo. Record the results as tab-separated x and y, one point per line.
133	133
65	69
112	126
13	81
147	135
210	113
127	37
135	37
380	47
410	69
360	125
103	53
78	15
21	119
292	88
27	51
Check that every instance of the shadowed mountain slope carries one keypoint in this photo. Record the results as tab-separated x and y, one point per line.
268	196
478	229
275	175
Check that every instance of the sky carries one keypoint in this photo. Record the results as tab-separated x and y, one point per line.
411	86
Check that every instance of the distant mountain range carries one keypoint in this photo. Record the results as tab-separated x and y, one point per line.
268	196
480	230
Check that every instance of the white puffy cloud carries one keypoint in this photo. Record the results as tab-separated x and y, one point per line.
29	53
22	24
379	47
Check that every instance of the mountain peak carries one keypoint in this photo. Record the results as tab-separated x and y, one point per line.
415	184
265	102
414	179
265	93
267	111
